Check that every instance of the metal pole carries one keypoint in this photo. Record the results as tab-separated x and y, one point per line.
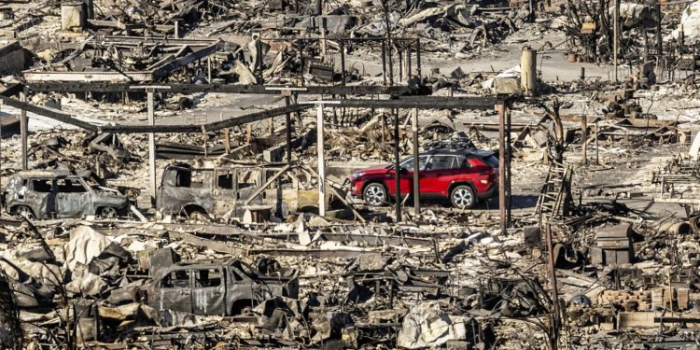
209	69
584	137
321	163
615	36
384	61
151	147
408	62
342	60
24	126
418	66
388	38
416	168
659	42
555	292
288	120
501	108
401	63
694	64
509	188
323	36
0	154
397	168
595	130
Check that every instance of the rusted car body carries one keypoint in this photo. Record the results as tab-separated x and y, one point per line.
220	191
44	194
206	288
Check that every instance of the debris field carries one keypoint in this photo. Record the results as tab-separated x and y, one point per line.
353	174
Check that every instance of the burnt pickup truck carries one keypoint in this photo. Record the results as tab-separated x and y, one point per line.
206	288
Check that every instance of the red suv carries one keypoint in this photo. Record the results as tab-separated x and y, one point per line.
463	176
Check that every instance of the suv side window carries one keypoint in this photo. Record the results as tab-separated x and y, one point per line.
41	185
461	162
422	163
205	278
176	279
225	181
70	186
442	162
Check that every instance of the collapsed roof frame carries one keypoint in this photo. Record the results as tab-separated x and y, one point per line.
394	104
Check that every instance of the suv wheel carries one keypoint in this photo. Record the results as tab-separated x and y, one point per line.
107	213
374	194
24	211
463	197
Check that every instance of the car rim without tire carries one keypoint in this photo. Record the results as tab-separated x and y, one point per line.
462	198
374	195
108	212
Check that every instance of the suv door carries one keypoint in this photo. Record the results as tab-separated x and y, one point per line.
224	190
209	291
73	198
173	292
406	177
434	180
39	196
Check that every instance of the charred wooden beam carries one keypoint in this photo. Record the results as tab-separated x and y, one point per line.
64	118
423	102
101	86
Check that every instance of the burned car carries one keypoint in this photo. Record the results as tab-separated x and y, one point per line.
208	288
215	192
44	194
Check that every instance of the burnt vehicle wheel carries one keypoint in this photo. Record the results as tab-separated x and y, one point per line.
107	213
25	211
462	197
374	194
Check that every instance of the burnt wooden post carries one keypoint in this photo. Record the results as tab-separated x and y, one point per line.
342	60
418	67
397	167
321	162
384	61
288	121
595	133
554	336
23	129
509	193
501	108
584	137
151	147
616	35
416	166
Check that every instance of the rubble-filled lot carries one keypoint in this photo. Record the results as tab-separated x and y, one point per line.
223	175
